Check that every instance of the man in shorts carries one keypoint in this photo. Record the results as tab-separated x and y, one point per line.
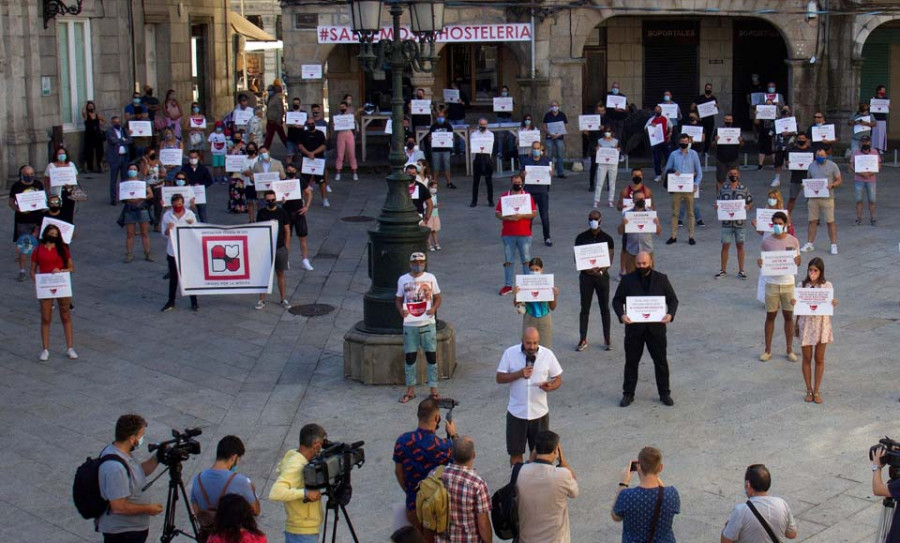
25	223
801	145
312	146
297	210
734	230
822	168
271	212
779	288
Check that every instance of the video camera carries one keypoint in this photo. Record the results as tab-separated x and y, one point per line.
448	404
333	464
891	452
178	449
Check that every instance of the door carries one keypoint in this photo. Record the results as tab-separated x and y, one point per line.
758	49
671	61
200	65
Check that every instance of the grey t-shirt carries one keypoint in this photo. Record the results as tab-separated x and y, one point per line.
214	480
829	171
635	243
744	527
115	483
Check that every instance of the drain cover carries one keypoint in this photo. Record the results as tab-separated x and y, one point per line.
312	310
358	218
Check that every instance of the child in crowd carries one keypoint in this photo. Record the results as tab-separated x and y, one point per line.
537	314
434	222
218	146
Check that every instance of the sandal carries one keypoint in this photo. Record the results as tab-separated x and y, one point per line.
809	396
407	397
817	398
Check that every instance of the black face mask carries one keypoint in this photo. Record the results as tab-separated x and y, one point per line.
54	206
728	123
733	178
291	175
516	188
866	148
646	271
296	106
684	145
343	110
657	113
410	146
152	156
637	180
271	204
708	91
251	152
639	204
311	127
802	143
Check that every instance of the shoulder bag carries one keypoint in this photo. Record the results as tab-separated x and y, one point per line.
762	521
655	524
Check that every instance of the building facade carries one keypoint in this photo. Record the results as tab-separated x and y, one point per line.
261	60
826	56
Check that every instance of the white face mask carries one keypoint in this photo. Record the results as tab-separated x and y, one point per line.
536	272
607	134
432	190
594	224
195	161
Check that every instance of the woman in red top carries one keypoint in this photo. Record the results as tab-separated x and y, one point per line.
52	256
235	522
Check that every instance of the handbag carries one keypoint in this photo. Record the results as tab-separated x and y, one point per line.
78	194
763	522
653	526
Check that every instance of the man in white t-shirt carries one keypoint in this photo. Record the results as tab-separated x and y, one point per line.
531	371
779	288
745	525
418	299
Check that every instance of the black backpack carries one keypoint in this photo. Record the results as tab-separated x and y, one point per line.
86	488
505	508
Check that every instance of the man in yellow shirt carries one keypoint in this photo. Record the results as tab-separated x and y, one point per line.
303	507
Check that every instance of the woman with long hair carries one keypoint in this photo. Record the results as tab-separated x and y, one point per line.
136	216
173	113
62	159
235	522
93	137
815	332
52	256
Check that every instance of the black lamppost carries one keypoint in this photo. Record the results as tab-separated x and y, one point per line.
398	232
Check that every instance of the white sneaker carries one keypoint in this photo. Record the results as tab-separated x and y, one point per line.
595	204
72	354
337	176
776	182
326	203
807	248
656	179
328	187
260	304
45	355
306	265
355	177
611	204
834	250
285	304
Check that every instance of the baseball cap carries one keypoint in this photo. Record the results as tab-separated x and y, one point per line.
865	138
416	256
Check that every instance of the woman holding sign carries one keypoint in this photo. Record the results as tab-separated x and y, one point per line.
135	212
814	331
62	177
52	256
537	314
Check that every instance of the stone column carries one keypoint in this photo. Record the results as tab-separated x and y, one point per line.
802	77
424	81
309	90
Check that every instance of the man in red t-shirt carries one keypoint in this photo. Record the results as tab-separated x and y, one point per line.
516	232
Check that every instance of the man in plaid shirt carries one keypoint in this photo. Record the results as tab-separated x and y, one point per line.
470	501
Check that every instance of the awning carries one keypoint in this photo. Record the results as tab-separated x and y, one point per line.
246	28
251	46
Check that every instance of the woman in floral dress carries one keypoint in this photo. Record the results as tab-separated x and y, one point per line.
815	332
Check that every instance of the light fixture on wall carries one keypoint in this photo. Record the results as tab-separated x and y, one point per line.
812	10
52	8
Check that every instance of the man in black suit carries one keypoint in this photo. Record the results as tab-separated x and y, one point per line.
644	281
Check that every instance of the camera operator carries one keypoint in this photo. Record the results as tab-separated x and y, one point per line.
302	507
889	490
211	485
128	517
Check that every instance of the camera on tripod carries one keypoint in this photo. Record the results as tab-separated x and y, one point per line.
891	452
332	464
178	449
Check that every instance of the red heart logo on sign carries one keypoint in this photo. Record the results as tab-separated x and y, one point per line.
286	194
607	159
131	193
592	260
33	205
590	126
534	293
771	225
813	307
800	164
53	291
679	186
640	227
482	148
645	315
816	192
516	208
730	214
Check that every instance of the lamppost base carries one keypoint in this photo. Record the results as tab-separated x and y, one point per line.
378	359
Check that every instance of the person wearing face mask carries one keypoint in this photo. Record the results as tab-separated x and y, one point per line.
172	112
864	182
616	116
54	205
782	143
556	146
25	223
267	164
634	243
819	120
635	189
419	193
137	111
297	210
685	160
607	172
197	174
594	280
417	300
482	163
154	173
218	148
312	146
516	235
135	215
52	256
418	121
537	314
503	141
237	185
772	94
709	123
823	167
275	114
539	193
271	212
779	288
93	137
440	157
434	221
527	129
122	481
302	506
801	145
118	140
765	137
178	215
593	136
63	161
239	115
346	145
863	123
659	150
879	131
294	132
413	152
645	281
727	156
735	229
210	485
196	122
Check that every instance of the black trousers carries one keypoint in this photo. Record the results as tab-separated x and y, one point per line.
93	152
636	336
588	285
173	281
709	124
542	202
126	537
482	167
593	179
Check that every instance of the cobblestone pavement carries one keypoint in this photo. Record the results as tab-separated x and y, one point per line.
263	374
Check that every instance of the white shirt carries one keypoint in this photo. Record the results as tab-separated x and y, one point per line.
170	218
415	291
526	399
744	527
57	191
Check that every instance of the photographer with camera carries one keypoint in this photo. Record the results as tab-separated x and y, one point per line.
891	490
648	509
122	484
303	508
211	485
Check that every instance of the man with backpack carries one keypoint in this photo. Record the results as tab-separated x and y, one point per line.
212	484
543	490
122	479
469	503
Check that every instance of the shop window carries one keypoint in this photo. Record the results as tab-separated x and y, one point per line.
76	83
477	69
255	19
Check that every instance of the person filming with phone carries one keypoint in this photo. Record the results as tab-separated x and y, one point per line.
647	510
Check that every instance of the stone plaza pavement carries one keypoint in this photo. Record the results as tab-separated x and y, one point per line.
263	374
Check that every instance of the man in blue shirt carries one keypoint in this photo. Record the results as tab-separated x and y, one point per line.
540	193
211	484
684	160
556	147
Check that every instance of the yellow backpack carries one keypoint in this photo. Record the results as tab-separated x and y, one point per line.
433	502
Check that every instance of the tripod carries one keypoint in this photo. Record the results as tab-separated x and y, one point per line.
338	497
176	486
887	515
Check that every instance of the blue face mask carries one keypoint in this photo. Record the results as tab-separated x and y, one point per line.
615	91
196	110
527	122
536	153
61	157
820	160
117	126
417	268
440	120
778	229
132	173
179	182
219	130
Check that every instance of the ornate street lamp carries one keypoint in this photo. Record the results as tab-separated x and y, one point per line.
52	8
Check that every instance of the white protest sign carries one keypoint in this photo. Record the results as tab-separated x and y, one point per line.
799	161
61	177
132	190
880	105
528	137
607	156
235	163
140	129
764	219
420	107
32	200
503	103
515	204
311	71
313	166
537	175
171	157
728	136
779	262
615	102
322	129
785	124
670	111
288	189
198	123
645	308
816	188
199	193
53	285
186	192
866	163
823	133
683	182
594	255
441	140
857	128
482	143
535	288
242	116
451	95
655	131
264	180
628	204
556	128
640	222
65	229
589	123
707	109
813	301
731	210
766	112
343	122
295	118
694	131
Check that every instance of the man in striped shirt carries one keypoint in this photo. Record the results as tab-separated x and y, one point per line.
470	502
